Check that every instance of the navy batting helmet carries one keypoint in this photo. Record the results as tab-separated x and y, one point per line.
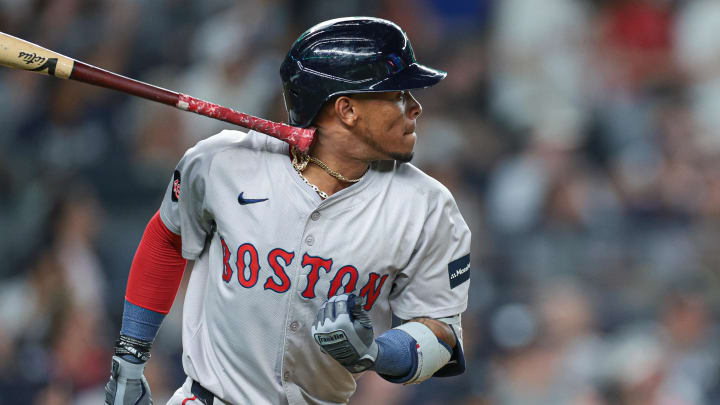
349	55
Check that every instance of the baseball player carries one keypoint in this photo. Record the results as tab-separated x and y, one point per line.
300	260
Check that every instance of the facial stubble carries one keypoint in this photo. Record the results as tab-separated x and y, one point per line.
400	157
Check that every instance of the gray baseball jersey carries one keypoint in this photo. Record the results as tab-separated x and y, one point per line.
269	251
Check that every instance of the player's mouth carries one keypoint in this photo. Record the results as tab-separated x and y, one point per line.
410	131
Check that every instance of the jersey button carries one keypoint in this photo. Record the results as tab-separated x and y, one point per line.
315	216
286	375
294	326
310	240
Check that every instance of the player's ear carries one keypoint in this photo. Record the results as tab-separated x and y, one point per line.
346	110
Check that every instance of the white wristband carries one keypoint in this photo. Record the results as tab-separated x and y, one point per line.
431	354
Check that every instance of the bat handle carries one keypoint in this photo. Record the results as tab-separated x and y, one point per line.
301	138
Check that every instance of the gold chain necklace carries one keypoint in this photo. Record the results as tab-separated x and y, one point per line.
299	167
301	163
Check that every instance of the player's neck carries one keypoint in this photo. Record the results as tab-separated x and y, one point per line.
337	159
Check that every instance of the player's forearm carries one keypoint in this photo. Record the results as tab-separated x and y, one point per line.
153	282
440	329
397	359
408	354
140	323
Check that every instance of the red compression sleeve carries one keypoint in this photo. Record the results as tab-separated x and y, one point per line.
157	268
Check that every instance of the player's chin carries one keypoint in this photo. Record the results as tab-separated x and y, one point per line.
404	151
402	157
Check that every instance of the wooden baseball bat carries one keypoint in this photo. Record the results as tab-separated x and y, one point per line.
20	54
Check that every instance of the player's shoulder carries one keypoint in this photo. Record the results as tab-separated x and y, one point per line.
231	139
238	142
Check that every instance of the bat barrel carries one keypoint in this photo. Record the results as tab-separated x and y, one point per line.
17	53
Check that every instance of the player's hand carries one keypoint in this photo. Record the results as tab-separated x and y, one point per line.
344	331
127	385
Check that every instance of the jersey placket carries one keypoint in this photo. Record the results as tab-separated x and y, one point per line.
294	324
300	354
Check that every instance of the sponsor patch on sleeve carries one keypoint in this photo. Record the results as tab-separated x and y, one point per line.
459	271
175	194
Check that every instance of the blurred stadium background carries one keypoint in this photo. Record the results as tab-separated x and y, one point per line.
580	138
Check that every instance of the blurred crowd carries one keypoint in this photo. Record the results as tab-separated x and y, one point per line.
580	138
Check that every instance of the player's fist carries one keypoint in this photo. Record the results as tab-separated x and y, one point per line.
127	385
344	331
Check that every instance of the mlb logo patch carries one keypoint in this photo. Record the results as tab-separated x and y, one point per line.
459	271
175	193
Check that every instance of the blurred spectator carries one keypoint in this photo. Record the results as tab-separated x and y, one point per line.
538	61
698	53
76	226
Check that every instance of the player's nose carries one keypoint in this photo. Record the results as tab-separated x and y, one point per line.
414	109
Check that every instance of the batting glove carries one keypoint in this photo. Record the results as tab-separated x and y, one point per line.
127	385
343	330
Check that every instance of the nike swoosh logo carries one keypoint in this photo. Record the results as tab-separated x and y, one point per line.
246	201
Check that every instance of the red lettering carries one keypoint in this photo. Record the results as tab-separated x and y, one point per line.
248	272
317	263
254	265
337	281
227	269
371	291
279	270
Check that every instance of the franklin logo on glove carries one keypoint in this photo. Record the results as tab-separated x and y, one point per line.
327	338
